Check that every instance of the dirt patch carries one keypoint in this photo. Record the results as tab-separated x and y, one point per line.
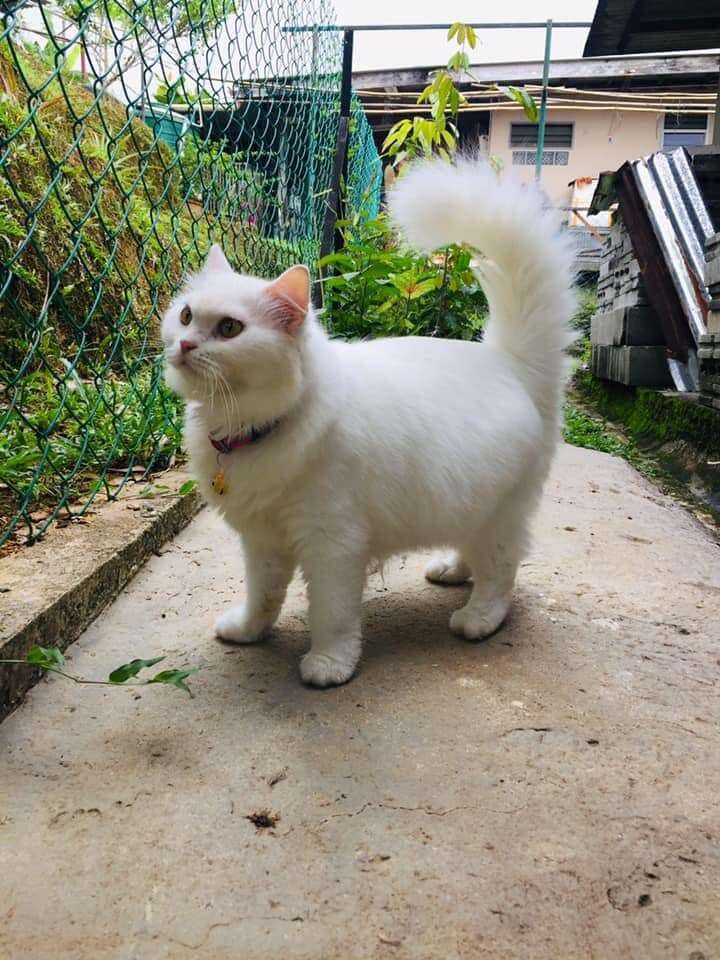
263	819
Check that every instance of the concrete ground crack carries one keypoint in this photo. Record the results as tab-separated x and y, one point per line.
505	733
427	810
232	923
351	813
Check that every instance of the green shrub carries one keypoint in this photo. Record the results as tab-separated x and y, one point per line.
587	305
381	288
60	441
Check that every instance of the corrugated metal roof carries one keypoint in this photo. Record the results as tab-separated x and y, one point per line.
653	26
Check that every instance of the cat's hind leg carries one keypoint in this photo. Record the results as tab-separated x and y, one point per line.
493	559
268	572
450	569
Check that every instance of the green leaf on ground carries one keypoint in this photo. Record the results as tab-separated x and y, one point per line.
47	657
175	678
153	490
132	669
187	487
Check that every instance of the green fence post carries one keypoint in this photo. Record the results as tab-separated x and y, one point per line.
543	101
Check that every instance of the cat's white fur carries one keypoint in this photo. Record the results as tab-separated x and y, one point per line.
388	445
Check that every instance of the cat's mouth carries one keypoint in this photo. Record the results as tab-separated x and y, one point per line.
180	360
186	376
191	366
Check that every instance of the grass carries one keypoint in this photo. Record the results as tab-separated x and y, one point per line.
584	427
651	416
670	440
65	443
582	430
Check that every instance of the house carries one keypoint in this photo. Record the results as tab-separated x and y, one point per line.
601	111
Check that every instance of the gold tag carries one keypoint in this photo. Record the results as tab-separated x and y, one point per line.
218	483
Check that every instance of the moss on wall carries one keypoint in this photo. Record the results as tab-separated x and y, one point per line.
651	416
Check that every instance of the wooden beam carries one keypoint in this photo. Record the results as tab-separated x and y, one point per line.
604	68
380	79
529	71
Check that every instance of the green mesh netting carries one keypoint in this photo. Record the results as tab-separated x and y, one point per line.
132	136
364	165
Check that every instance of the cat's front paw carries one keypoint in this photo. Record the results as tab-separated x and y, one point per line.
477	621
236	626
321	670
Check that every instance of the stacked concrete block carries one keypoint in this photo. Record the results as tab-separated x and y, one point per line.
712	280
627	342
709	346
619	280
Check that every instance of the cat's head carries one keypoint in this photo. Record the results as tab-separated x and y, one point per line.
235	341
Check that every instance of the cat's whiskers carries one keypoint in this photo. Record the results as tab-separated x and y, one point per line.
208	371
220	390
211	374
228	398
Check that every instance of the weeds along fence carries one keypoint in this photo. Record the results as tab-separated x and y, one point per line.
132	136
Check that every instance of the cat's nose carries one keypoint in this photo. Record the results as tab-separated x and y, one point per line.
187	345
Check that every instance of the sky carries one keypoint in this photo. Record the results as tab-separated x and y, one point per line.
378	50
431	48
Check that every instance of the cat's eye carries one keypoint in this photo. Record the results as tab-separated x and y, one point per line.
185	316
229	327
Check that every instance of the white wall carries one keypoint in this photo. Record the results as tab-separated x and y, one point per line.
602	140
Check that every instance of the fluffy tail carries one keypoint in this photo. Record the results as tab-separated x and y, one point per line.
525	264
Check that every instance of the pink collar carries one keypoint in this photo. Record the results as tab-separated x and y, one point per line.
228	444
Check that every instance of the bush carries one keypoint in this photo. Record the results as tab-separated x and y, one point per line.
383	289
587	305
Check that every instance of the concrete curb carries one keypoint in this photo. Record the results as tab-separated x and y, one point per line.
50	592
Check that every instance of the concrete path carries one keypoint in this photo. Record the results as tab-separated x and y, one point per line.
551	793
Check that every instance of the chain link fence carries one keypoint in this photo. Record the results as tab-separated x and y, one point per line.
132	136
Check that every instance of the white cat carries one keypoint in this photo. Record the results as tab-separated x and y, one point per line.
325	455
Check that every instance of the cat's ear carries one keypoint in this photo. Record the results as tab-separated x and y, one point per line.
216	260
290	295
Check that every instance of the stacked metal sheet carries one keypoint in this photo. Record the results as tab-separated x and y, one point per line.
668	225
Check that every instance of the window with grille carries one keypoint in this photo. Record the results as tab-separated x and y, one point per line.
550	158
684	130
